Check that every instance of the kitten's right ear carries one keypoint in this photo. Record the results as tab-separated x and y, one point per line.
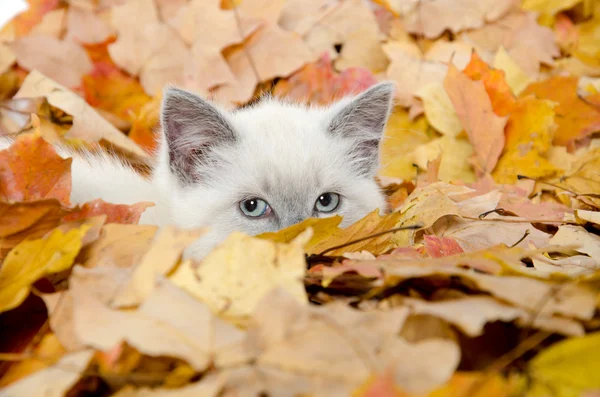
191	128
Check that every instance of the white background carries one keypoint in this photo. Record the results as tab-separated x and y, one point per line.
10	8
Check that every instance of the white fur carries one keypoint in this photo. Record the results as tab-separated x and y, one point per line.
285	155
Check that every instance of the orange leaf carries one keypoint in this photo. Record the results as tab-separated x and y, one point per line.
503	100
31	170
575	118
437	247
110	89
116	213
474	109
25	21
318	83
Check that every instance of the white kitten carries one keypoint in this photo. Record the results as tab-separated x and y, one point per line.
257	169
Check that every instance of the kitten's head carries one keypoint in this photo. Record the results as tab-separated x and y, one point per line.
268	166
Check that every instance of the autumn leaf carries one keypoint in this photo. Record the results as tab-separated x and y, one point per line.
565	367
529	133
575	118
474	108
116	213
319	83
32	259
31	170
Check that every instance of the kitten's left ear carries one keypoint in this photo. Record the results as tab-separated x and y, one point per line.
363	119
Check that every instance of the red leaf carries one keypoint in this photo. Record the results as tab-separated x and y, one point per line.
116	213
437	247
31	170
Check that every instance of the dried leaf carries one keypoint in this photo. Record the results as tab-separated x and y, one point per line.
31	170
115	213
32	259
236	275
87	124
474	109
63	61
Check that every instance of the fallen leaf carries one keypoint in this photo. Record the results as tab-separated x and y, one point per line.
498	90
529	134
527	43
317	82
516	78
472	313
161	258
411	72
53	381
321	229
236	275
63	61
32	259
566	368
207	387
293	54
87	123
575	118
402	136
31	170
119	246
352	25
84	26
454	154
116	213
437	247
585	242
439	109
25	21
51	25
474	109
432	18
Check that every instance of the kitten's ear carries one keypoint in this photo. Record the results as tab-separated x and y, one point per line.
363	119
191	128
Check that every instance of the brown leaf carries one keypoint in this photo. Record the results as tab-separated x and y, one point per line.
63	61
119	246
292	55
87	123
431	18
474	109
84	26
31	170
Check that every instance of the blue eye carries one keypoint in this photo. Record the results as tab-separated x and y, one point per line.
327	202
255	207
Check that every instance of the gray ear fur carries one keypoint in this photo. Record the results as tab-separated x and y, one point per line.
191	127
363	120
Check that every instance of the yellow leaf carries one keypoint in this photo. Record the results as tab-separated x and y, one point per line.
322	228
529	135
549	7
567	368
236	275
402	136
462	384
439	109
371	224
30	260
455	155
515	76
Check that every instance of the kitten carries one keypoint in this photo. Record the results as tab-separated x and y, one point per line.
254	170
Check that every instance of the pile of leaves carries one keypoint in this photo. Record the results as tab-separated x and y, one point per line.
482	280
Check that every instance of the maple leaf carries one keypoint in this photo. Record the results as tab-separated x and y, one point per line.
87	124
437	247
474	109
64	61
574	117
410	71
527	43
318	83
116	213
31	170
28	220
433	17
529	134
32	259
27	20
86	27
235	276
